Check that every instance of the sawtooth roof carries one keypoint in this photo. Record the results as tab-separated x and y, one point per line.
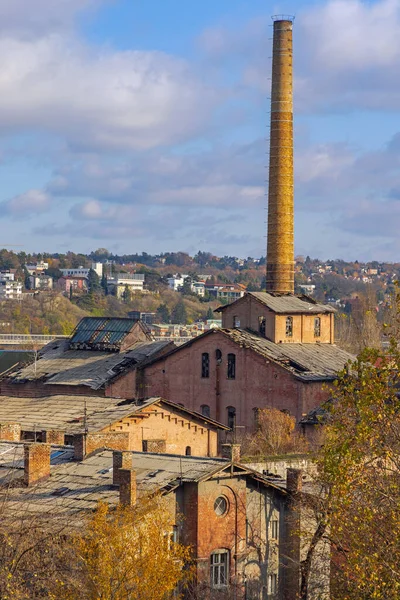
67	413
286	303
58	365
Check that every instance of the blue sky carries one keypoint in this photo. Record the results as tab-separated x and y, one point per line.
142	126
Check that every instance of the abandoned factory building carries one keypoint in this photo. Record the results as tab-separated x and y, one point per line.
272	351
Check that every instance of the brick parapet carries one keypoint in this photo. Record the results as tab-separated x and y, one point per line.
86	443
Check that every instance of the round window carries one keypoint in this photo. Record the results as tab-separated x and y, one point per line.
221	505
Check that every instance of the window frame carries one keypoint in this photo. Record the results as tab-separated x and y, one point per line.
219	569
236	322
262	325
231	416
274	529
205	365
272	584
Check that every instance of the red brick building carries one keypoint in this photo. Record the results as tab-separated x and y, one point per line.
279	354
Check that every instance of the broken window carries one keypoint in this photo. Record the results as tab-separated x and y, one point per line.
317	327
289	326
205	365
231	416
261	325
218	356
231	366
236	322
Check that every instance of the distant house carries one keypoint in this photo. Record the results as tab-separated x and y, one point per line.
117	284
37	268
10	289
41	282
145	317
97	267
76	283
225	292
176	281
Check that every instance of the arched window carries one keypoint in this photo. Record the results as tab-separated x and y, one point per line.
231	410
219	569
289	326
205	365
188	451
317	327
218	356
205	410
231	366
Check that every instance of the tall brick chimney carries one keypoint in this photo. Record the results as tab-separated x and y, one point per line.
127	487
36	463
280	242
291	548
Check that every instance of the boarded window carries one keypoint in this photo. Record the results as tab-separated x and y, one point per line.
205	365
231	366
317	327
289	326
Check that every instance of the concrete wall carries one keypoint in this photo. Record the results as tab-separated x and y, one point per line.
258	383
278	466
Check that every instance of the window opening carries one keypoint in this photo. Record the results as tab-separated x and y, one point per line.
317	327
218	356
289	327
205	410
219	568
231	416
272	583
188	451
261	325
274	529
236	321
205	365
221	506
231	366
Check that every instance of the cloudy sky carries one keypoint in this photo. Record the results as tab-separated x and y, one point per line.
141	125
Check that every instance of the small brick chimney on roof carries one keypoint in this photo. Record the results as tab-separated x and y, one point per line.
36	463
127	487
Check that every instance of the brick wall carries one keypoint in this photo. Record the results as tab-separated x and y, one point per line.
123	387
10	432
176	432
36	463
53	436
85	444
121	460
127	487
258	383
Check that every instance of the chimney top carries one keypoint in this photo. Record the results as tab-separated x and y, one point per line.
294	480
36	462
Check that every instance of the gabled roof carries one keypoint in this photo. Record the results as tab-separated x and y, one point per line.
67	413
101	333
285	303
307	362
58	365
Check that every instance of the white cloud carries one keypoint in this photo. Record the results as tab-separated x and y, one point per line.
101	98
28	203
36	17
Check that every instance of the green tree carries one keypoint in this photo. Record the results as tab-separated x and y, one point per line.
93	282
210	313
178	314
163	313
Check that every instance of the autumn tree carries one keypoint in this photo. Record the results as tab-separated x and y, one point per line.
275	434
128	553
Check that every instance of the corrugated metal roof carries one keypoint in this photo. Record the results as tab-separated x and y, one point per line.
66	412
57	365
96	332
